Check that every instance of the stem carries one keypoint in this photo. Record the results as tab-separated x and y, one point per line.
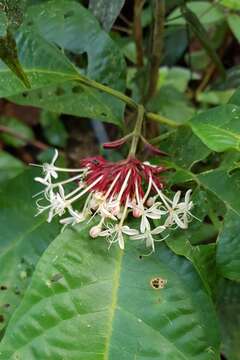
137	131
162	119
159	138
157	45
126	99
117	94
137	31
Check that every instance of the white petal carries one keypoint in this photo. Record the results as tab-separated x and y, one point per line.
121	241
54	174
178	221
55	156
128	231
158	230
138	237
176	198
154	215
41	180
187	195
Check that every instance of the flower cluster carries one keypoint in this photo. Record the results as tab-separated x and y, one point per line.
114	191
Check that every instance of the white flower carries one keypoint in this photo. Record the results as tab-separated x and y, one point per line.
179	212
115	234
76	218
57	204
49	170
148	236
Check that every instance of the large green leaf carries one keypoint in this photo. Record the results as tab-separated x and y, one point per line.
235	99
206	12
224	185
184	147
219	128
106	11
201	256
228	250
23	238
229	313
76	99
86	302
43	63
72	27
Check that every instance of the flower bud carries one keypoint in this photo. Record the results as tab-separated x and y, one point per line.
114	144
95	231
137	213
150	202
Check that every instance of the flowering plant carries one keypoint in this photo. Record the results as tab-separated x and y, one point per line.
122	241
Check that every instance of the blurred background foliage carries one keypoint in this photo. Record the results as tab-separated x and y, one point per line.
185	68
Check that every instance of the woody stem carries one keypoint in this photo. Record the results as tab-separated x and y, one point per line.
137	131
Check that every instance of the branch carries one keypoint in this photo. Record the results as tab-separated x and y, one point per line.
157	45
36	143
137	30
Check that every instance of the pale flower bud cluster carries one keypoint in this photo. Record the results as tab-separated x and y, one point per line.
112	192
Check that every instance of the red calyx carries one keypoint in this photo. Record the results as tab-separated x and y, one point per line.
140	174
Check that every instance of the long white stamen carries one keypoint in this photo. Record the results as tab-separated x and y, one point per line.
56	168
52	186
112	186
123	217
161	196
124	185
148	189
137	193
85	190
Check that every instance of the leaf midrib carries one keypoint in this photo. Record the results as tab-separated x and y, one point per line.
116	282
228	132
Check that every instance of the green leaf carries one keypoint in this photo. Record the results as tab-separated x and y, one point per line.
206	12
9	166
235	99
76	99
224	185
176	76
229	310
171	103
234	24
202	35
23	239
3	24
86	302
19	128
106	11
73	28
43	63
228	250
184	147
9	55
232	4
219	128
215	97
47	68
203	258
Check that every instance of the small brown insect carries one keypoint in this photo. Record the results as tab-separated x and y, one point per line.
158	283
